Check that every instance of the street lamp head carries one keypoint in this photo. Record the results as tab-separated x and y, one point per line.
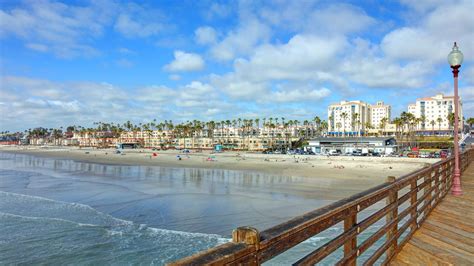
455	57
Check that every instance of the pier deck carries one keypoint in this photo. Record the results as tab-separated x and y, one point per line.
447	235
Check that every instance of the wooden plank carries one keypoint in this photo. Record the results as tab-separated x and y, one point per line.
216	256
442	250
447	218
454	210
459	241
448	232
450	227
412	255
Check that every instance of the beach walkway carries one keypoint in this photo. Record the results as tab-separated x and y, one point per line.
447	235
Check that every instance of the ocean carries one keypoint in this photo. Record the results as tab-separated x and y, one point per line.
58	211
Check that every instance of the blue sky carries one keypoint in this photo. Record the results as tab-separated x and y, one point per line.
77	62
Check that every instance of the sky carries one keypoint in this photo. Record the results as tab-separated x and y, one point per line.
78	62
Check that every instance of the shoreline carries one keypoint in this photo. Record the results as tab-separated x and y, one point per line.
310	166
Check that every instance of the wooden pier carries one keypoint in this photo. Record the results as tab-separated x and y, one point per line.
447	235
410	224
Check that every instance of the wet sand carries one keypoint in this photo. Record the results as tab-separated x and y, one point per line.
357	172
194	194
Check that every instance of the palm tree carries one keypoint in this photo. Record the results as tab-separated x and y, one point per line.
439	120
398	122
354	122
422	121
450	118
331	122
344	116
324	125
470	121
383	124
317	123
432	126
338	126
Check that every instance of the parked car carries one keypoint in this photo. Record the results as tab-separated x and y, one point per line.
425	155
334	153
376	154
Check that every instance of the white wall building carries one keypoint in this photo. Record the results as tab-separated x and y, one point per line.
378	112
433	108
358	114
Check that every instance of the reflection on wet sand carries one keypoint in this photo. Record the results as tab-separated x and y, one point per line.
184	199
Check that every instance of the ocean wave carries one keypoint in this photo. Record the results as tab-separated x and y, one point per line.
39	208
37	230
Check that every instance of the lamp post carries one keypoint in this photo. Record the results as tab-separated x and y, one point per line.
455	60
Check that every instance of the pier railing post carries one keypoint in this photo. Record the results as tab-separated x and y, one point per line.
427	190
391	216
250	236
414	204
351	244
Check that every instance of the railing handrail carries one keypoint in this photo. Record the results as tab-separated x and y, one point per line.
249	245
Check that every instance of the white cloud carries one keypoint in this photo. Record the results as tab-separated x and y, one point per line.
432	38
185	62
217	10
65	29
299	59
52	104
308	17
205	35
133	27
339	19
238	88
242	41
423	5
303	58
299	95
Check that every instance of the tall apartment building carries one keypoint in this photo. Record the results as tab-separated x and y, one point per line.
378	112
348	116
433	108
358	115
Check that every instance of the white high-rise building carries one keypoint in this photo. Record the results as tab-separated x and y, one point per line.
357	115
348	117
435	110
378	112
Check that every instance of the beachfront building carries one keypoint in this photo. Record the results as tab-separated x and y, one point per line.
363	145
380	115
251	143
348	118
434	112
102	139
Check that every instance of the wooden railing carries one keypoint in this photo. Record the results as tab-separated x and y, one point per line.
420	191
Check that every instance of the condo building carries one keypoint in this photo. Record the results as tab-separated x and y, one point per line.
378	112
352	117
435	111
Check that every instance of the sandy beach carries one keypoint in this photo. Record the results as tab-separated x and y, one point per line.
368	170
